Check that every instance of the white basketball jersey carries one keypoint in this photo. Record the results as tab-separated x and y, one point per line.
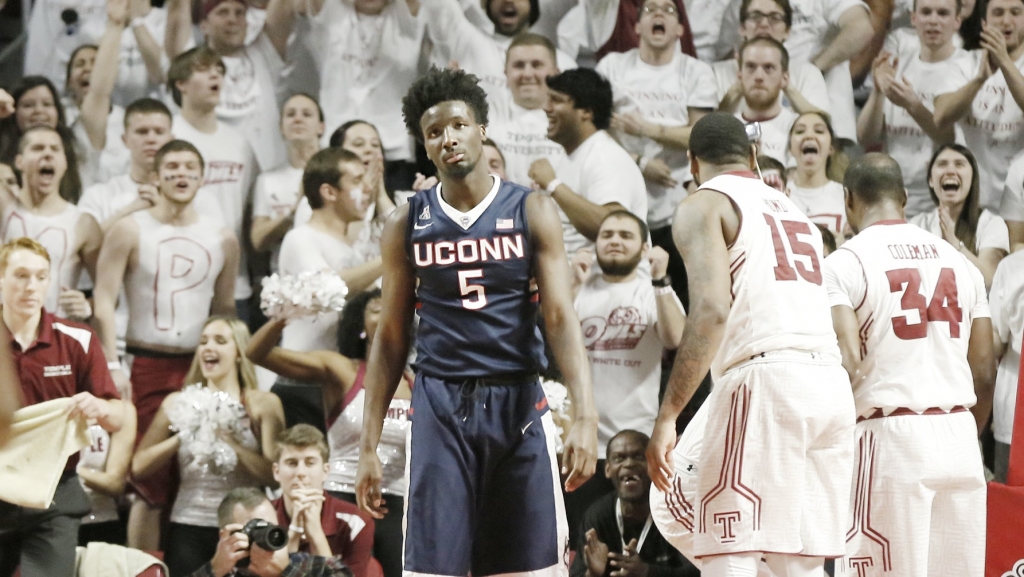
57	234
778	299
915	297
171	287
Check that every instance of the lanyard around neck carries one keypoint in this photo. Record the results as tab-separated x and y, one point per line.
622	532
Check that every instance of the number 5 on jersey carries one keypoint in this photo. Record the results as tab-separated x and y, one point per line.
465	288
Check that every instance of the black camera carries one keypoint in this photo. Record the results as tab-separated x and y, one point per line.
265	535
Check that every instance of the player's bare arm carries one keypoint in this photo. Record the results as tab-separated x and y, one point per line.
119	245
981	356
700	227
565	336
844	321
671	316
224	289
387	357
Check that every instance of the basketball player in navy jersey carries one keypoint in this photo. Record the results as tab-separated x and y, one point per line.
483	493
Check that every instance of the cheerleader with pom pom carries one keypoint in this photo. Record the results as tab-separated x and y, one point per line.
222	430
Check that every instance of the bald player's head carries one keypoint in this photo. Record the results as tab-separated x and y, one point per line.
718	140
874	183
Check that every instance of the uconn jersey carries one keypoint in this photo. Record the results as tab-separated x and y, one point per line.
478	314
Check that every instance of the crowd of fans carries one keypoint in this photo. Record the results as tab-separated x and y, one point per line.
162	160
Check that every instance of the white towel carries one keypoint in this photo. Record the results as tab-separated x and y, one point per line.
41	440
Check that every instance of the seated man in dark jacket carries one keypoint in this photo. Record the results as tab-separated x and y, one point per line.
618	536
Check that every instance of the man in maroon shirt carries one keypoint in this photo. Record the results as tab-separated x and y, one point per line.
55	358
317	522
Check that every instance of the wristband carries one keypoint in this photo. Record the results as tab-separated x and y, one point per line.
113	365
663	290
554	184
665	281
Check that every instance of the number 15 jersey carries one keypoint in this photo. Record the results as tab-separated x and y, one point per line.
915	297
778	300
478	313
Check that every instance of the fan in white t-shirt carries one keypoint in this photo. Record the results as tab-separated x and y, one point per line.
38	211
627	323
366	53
812	147
279	191
827	33
1006	303
596	28
599	177
763	75
147	128
518	124
504	16
906	79
805	90
713	23
981	235
322	243
988	106
1011	207
252	76
195	78
659	94
457	40
96	124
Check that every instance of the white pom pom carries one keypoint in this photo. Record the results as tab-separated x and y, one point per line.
200	415
307	294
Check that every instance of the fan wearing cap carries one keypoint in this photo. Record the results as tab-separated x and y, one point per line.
248	97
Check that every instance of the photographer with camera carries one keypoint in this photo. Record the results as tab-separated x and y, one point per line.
251	545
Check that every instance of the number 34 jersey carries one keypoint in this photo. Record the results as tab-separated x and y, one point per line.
478	312
778	300
915	297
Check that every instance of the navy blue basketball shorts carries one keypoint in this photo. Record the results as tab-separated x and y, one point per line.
484	496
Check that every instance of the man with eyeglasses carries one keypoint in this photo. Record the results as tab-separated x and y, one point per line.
771	19
659	94
914	67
